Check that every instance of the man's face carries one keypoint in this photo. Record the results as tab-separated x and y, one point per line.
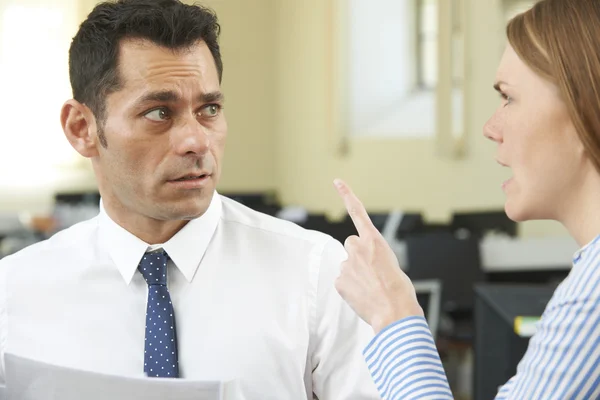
165	133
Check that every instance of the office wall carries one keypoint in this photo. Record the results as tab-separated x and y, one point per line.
35	158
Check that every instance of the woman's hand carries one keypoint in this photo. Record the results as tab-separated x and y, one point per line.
371	280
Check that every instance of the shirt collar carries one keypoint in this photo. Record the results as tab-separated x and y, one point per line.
186	248
579	253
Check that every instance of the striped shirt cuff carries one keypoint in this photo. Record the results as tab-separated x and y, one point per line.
405	364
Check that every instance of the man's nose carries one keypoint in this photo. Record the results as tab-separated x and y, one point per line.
191	137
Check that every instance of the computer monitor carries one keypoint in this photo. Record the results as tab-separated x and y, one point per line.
429	296
478	223
498	348
454	261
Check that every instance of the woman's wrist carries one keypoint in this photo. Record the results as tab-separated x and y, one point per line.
395	314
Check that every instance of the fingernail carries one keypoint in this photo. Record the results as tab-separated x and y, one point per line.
337	183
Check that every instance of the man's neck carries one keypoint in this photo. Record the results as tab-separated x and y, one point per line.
149	230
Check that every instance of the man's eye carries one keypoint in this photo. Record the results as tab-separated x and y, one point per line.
211	110
158	115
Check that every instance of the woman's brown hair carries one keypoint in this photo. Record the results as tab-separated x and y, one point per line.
560	41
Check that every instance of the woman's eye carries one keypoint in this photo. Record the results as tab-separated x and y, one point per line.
506	98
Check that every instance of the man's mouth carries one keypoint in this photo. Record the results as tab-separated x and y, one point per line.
191	177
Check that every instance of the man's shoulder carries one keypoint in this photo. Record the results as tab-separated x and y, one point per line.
60	244
259	223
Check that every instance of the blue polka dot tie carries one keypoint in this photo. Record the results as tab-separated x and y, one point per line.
160	350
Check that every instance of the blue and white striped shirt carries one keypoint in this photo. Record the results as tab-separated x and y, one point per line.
562	360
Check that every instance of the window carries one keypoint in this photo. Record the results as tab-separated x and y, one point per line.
426	58
392	67
34	41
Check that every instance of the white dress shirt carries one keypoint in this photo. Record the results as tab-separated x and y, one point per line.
254	301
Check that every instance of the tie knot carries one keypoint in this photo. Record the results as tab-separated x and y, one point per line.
154	267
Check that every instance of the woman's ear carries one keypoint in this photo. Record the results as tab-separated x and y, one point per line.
79	125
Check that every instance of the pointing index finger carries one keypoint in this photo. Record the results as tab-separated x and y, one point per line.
356	210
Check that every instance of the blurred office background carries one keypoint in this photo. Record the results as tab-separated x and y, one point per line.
390	95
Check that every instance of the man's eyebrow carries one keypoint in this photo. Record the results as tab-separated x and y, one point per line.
211	97
169	96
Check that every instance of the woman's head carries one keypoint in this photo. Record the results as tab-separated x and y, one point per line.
548	124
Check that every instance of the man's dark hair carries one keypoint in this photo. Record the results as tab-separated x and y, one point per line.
93	56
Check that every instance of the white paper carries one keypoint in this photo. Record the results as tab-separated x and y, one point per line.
28	379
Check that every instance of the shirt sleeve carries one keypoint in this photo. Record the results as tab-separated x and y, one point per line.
405	364
338	335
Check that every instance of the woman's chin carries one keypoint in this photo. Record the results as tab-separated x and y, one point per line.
516	211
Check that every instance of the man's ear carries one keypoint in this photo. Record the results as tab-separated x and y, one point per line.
79	125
